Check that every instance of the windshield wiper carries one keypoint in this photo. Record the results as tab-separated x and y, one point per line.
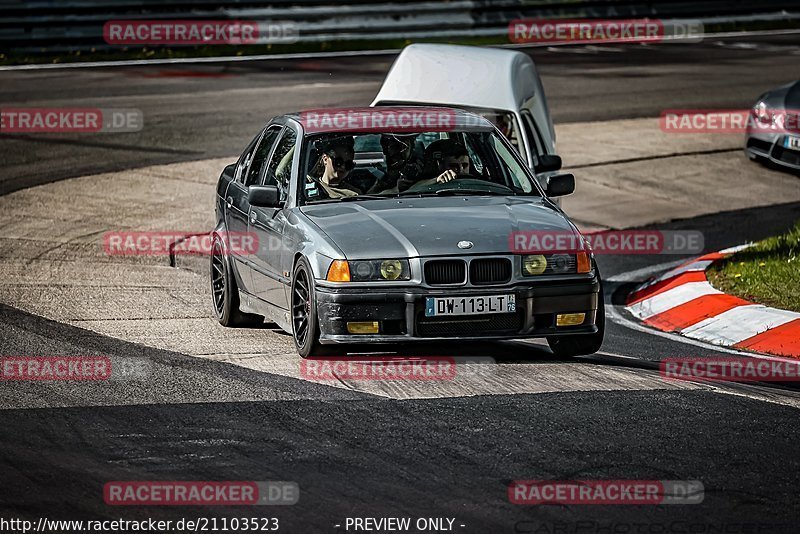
452	192
361	197
416	194
456	192
346	199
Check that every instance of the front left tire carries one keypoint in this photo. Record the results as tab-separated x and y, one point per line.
305	325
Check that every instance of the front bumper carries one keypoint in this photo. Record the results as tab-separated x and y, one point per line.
400	312
772	147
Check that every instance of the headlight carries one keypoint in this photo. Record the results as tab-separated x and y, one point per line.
379	270
533	265
560	263
391	269
536	264
762	113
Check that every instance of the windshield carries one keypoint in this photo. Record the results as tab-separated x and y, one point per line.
354	167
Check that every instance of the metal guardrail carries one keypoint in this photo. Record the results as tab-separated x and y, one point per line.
67	25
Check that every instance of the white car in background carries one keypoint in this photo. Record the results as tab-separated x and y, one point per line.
501	85
773	135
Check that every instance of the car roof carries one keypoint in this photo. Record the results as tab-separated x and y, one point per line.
451	75
389	119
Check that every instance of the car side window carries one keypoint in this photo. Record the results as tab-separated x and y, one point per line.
533	135
279	171
260	155
246	158
517	175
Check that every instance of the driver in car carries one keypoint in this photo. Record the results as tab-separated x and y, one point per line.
448	158
401	169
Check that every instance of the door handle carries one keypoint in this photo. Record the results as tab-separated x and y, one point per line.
253	217
229	202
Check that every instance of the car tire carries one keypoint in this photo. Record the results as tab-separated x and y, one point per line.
582	344
225	291
305	324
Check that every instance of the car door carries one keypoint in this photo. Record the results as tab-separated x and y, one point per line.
236	203
268	224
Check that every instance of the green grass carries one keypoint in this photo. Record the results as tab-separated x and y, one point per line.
767	273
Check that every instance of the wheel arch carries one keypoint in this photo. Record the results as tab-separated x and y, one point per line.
319	263
219	232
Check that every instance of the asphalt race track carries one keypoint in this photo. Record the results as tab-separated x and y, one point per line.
229	404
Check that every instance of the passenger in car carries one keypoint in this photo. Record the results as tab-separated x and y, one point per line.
447	158
503	123
332	168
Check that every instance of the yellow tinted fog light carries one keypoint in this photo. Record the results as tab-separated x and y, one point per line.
367	327
570	319
533	265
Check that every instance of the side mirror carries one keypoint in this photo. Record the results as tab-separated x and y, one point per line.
547	163
559	185
263	196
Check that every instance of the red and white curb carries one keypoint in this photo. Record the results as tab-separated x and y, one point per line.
684	302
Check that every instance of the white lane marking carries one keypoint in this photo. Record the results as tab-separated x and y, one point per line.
759	393
576	50
750	391
320	55
739	389
739	323
761	47
671	298
735	249
214	94
191	60
644	272
689	267
605	49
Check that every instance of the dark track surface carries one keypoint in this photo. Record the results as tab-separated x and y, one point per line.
354	454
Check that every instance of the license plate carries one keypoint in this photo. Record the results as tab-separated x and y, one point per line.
792	142
435	307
